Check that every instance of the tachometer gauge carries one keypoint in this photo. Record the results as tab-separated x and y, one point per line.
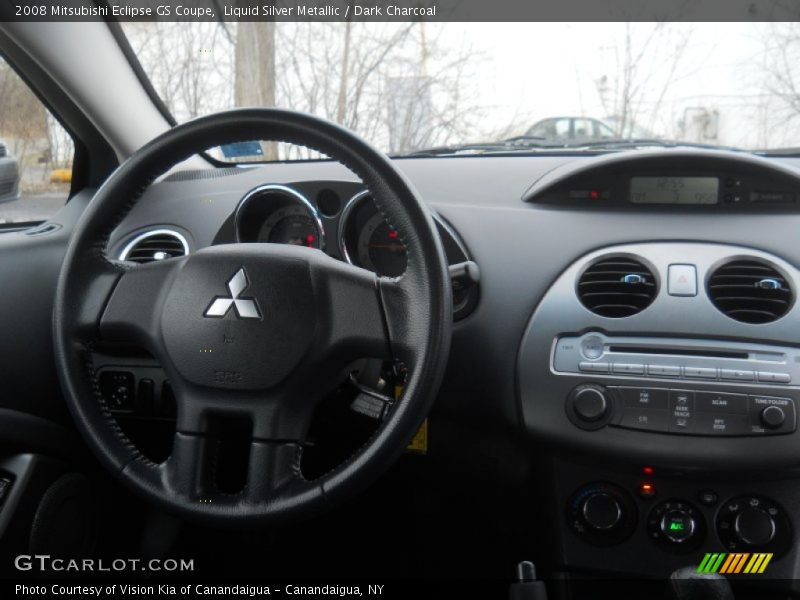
380	249
291	225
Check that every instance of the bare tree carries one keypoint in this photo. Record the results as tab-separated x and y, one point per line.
642	67
254	73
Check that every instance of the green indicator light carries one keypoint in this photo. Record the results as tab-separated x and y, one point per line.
676	526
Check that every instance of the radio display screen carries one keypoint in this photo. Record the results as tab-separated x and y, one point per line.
674	190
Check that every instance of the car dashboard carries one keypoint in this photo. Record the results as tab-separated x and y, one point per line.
629	320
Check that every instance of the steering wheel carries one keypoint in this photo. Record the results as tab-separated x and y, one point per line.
253	331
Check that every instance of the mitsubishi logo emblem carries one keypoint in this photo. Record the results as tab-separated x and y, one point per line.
246	308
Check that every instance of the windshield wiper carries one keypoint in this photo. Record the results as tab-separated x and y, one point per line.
622	143
515	144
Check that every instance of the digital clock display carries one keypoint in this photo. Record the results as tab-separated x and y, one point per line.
674	190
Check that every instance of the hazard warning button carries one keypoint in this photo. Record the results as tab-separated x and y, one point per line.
682	280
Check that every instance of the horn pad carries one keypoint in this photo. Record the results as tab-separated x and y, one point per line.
241	318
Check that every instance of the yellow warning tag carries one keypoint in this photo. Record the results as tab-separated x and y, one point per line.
419	444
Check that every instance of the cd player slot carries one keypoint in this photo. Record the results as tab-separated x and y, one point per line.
678	352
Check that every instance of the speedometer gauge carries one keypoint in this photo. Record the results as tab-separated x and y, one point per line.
380	249
291	225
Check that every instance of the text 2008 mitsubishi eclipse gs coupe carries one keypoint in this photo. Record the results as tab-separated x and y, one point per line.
249	343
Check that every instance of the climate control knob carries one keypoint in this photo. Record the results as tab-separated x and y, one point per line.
601	511
676	525
754	526
754	523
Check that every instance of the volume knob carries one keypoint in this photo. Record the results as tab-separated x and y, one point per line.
589	402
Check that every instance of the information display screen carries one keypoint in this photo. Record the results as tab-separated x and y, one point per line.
674	190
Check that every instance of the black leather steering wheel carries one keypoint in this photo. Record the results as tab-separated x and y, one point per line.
296	317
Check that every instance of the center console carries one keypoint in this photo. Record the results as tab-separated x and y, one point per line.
665	377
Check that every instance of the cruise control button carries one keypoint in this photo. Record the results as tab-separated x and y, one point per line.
737	375
629	368
664	370
721	424
769	377
644	418
644	397
593	367
700	372
720	402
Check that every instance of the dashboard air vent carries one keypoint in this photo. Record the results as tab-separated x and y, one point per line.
159	244
617	287
750	291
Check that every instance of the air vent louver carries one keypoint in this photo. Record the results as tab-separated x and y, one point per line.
750	291
617	287
156	245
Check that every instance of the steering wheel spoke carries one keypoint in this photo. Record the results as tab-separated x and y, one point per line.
132	310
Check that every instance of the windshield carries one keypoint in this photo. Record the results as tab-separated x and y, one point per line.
439	88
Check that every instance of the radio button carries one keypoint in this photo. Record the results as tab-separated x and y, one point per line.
737	375
664	371
768	377
721	424
592	347
628	368
593	367
717	402
681	406
644	397
700	372
645	418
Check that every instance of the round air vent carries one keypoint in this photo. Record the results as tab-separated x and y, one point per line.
617	287
158	244
750	291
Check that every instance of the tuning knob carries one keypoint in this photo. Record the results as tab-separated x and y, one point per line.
589	406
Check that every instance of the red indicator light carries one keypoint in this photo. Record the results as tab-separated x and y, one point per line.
594	194
392	234
310	238
648	470
647	489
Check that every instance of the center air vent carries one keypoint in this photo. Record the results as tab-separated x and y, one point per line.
158	244
617	287
750	291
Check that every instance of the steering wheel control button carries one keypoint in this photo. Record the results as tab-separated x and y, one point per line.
682	280
592	347
754	523
588	406
602	514
601	511
676	525
657	398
